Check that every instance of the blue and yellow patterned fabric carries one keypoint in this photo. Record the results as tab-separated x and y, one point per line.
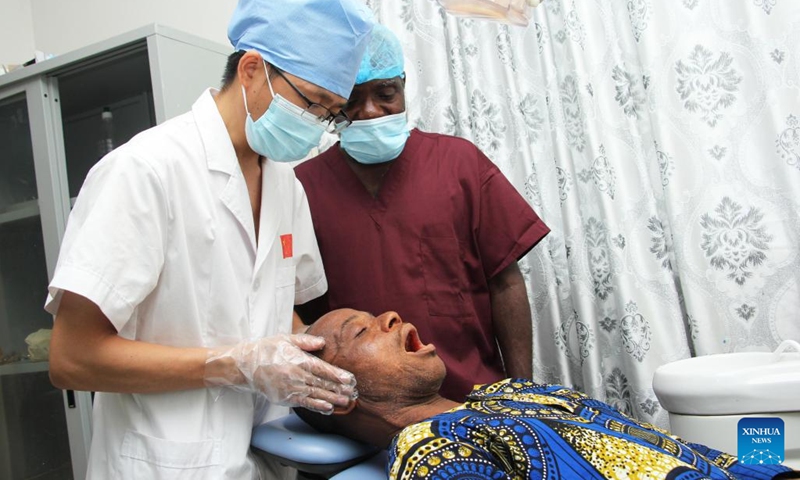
516	429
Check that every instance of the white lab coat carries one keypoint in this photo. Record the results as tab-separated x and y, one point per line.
162	239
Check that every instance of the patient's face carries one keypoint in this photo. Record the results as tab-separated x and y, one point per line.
385	354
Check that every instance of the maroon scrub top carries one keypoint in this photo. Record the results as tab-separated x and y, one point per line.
444	222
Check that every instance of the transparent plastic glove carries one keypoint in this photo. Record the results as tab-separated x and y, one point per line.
280	368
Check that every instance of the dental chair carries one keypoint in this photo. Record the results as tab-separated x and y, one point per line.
317	455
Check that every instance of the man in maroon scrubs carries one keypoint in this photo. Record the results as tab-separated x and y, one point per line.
423	224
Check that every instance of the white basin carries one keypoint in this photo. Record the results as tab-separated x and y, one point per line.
731	383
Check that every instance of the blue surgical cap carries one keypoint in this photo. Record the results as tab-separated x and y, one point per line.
320	41
383	57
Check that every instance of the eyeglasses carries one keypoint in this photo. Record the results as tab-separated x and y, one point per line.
335	123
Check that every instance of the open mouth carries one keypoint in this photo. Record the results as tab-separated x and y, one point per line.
413	344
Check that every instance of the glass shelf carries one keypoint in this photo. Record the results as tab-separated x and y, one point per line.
19	211
23	366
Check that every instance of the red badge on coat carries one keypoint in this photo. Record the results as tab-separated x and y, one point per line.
286	243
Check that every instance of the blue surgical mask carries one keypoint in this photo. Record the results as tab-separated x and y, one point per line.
377	140
281	134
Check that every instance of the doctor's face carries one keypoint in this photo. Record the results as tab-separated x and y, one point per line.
377	98
386	355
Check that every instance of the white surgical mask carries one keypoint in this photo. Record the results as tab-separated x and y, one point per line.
282	133
377	140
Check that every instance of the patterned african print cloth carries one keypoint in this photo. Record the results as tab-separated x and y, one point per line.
516	429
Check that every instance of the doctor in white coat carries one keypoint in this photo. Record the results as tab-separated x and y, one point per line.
188	247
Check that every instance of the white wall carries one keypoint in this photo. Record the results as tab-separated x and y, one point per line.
16	31
60	26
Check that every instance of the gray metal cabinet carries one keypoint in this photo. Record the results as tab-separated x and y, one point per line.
57	118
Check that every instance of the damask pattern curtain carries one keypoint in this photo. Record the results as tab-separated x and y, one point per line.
660	140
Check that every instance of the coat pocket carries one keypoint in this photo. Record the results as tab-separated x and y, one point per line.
151	457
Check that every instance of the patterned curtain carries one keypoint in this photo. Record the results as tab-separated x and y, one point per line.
660	141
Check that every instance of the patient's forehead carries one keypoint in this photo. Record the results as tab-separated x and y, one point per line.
329	327
329	323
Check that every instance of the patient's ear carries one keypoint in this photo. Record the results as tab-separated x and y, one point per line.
345	410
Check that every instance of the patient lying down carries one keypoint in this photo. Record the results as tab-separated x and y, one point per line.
510	429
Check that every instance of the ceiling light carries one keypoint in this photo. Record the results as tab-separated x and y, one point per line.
515	12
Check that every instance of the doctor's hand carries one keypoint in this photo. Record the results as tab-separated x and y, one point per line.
281	369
